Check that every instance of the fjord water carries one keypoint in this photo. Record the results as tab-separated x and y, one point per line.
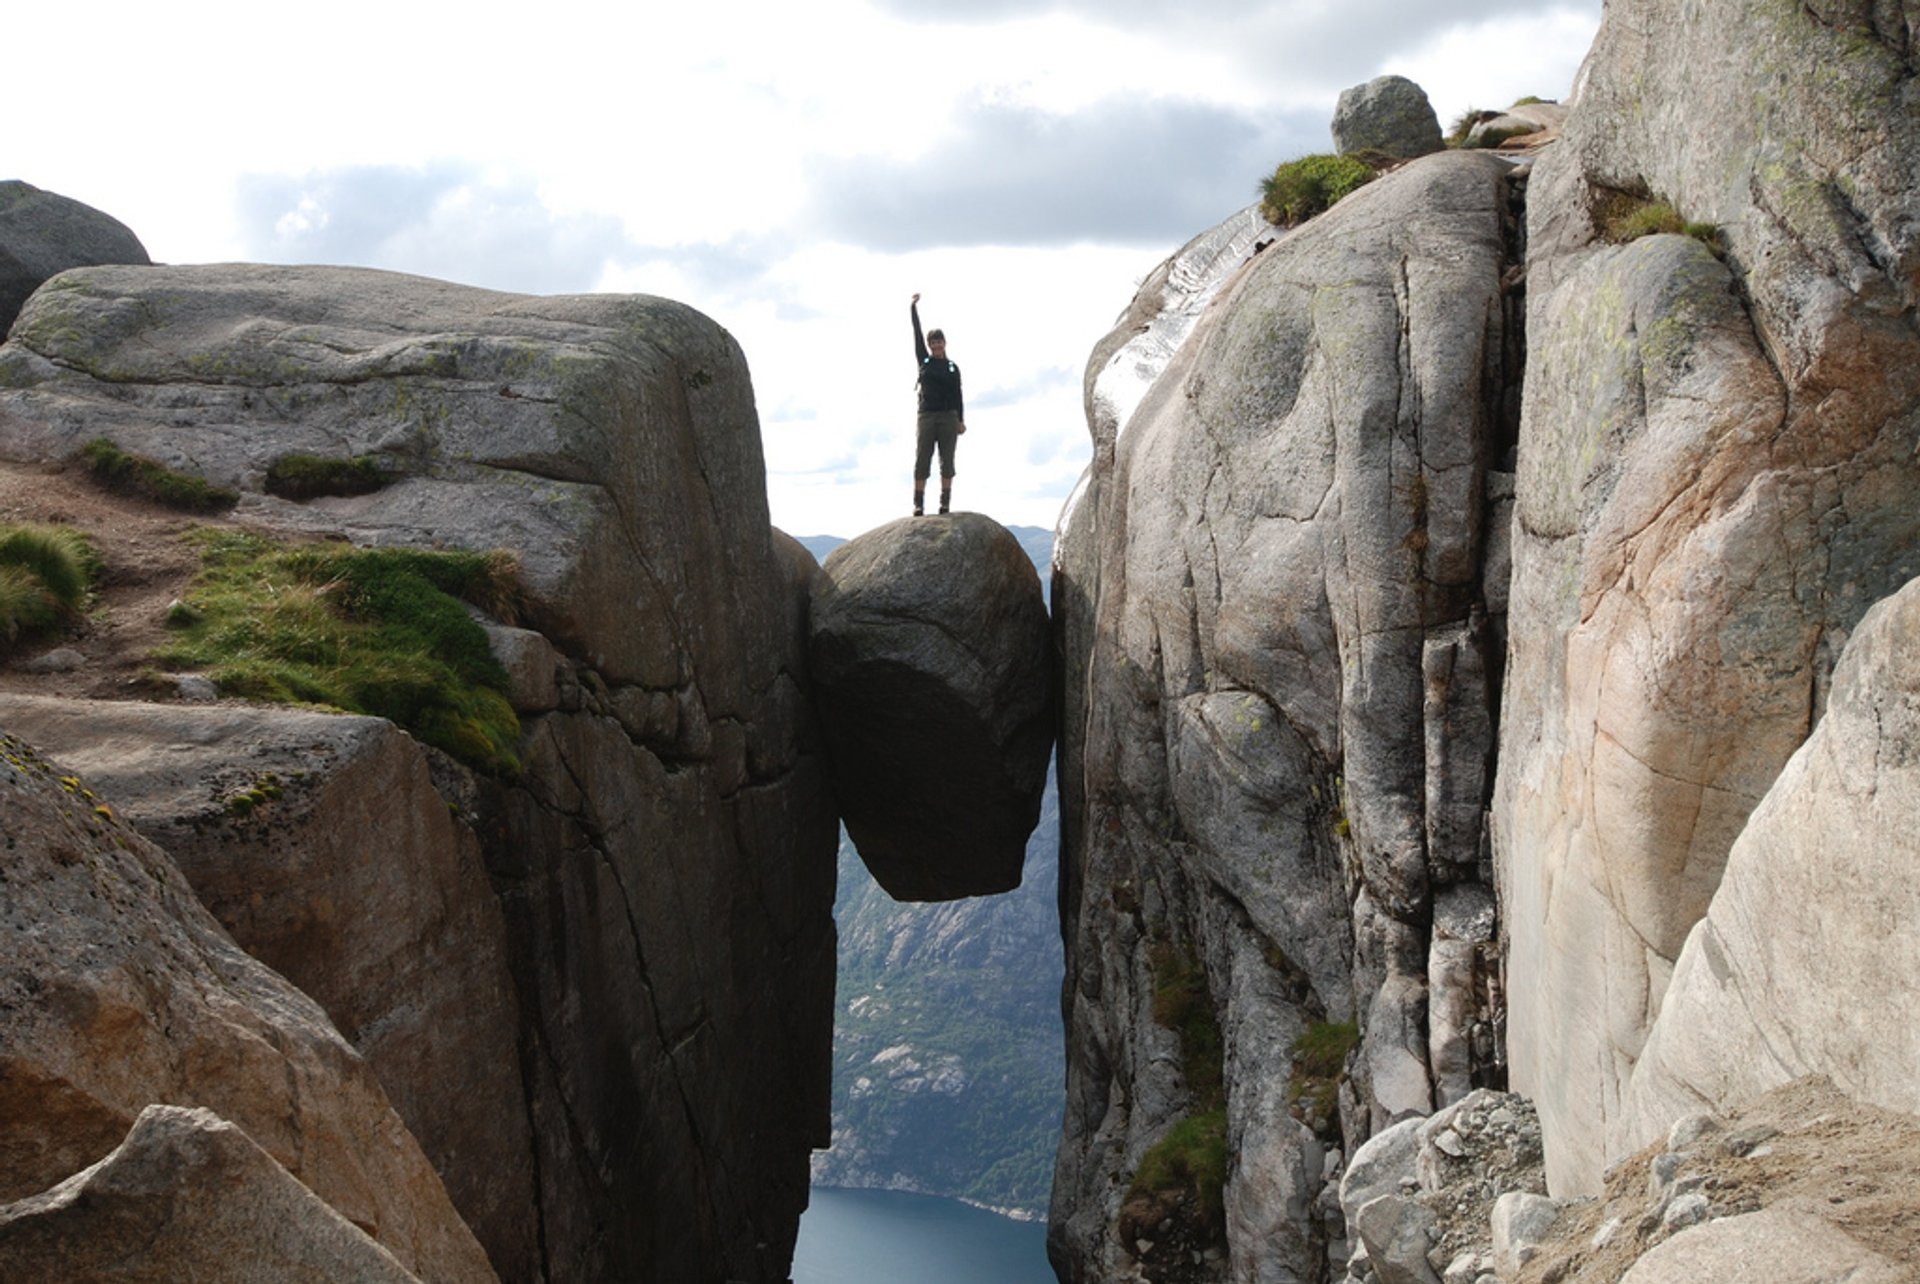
875	1236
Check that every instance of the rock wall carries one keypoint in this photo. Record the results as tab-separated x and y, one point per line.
321	844
1716	474
1800	962
663	864
120	990
1282	653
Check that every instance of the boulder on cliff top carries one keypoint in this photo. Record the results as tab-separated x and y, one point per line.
187	1196
120	990
43	234
930	662
1388	114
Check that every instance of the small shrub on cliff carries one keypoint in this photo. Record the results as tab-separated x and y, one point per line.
1184	1172
1462	127
1319	1063
1623	216
1299	189
311	476
1184	1175
374	631
45	572
131	474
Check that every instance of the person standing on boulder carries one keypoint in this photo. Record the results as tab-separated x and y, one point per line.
942	413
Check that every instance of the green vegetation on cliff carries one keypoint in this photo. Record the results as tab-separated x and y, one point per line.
311	476
45	572
130	474
1299	189
374	631
1184	1175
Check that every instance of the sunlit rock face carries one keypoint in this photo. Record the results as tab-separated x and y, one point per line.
1280	635
187	1195
662	865
356	882
1716	481
121	990
930	662
1812	941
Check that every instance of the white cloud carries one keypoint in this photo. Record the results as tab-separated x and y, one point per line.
795	171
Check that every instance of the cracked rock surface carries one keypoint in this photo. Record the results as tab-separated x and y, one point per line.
1281	632
1716	475
662	868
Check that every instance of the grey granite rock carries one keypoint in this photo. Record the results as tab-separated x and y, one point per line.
43	234
1387	114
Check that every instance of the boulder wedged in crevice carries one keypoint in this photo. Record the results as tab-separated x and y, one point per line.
931	662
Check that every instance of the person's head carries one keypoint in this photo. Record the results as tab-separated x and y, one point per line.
937	342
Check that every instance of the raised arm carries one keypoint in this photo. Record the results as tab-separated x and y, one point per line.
919	342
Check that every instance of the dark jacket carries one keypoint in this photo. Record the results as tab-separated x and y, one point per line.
939	380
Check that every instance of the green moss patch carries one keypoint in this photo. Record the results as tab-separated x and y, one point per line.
1299	189
372	631
303	477
45	574
130	474
1184	1173
1182	1179
1623	216
1319	1065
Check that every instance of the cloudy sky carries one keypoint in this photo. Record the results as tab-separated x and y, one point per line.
796	171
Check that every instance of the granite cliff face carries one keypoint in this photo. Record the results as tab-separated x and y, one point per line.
1366	513
1280	740
1716	483
634	930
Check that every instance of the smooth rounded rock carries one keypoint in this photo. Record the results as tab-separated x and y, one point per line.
930	652
43	234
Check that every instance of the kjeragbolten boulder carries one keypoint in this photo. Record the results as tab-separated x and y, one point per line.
930	654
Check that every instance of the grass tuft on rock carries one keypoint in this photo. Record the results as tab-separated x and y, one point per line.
1462	127
130	474
302	477
1319	1064
1299	189
1621	217
1187	1167
373	631
45	573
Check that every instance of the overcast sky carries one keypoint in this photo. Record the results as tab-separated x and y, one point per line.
796	171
